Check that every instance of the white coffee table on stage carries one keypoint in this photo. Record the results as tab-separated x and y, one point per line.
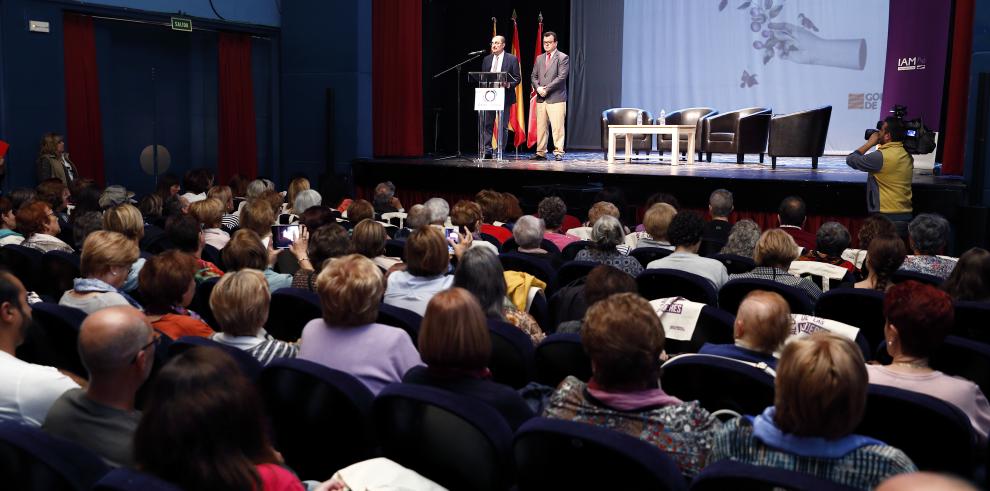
674	130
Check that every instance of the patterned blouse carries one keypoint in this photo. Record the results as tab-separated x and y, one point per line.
863	468
615	258
525	322
783	277
684	431
939	266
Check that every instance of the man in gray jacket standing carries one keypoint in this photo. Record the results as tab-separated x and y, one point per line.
550	80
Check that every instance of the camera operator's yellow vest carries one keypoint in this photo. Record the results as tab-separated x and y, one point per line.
894	179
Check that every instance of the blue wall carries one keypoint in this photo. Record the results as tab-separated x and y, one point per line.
32	87
325	45
980	63
261	12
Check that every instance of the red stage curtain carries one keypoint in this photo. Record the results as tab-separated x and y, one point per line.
955	115
237	149
397	77
84	131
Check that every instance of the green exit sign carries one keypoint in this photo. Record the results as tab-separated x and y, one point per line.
180	24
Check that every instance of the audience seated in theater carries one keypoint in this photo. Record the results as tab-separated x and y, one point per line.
603	281
360	209
85	196
275	200
528	234
608	246
291	213
204	428
168	186
919	317
184	233
117	347
228	221
27	391
167	287
150	206
314	249
716	232
417	216
820	399
493	209
238	187
792	217
20	197
685	234
885	256
925	481
552	211
655	198
54	192
209	214
742	239
455	345
480	272
39	226
127	220
624	339
656	223
512	210
385	200
598	210
317	216
437	210
427	262
762	324
875	225
368	239
246	250
240	302
929	233
8	223
84	224
970	280
106	259
196	182
465	216
774	252
832	238
347	338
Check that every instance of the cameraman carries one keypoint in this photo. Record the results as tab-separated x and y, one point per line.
888	189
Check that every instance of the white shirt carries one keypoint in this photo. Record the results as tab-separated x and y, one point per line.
412	292
497	62
27	390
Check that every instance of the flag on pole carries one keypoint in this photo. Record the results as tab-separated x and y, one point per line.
517	116
495	132
531	140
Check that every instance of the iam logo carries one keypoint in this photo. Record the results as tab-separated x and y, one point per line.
910	64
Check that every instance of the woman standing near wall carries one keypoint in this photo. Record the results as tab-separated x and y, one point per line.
53	160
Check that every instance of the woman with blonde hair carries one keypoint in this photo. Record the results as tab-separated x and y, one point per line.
427	262
347	338
127	220
209	214
54	161
455	344
106	259
240	302
229	221
820	398
774	253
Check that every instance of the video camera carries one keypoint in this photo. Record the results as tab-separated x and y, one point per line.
918	138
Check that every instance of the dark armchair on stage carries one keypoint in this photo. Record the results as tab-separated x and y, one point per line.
800	134
626	115
739	132
691	115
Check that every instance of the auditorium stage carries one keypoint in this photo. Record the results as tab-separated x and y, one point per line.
831	190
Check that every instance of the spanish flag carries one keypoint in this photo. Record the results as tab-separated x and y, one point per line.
531	141
517	117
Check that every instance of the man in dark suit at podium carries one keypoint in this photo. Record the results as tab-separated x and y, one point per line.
500	61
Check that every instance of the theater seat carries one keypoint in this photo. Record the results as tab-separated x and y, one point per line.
32	460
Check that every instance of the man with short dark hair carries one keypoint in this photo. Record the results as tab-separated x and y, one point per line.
891	168
684	234
385	200
716	232
117	346
550	79
27	391
792	216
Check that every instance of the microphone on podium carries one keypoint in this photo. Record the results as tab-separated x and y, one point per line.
480	51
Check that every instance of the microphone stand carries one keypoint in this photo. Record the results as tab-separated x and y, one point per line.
459	82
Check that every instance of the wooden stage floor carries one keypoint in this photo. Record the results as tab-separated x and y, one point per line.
832	189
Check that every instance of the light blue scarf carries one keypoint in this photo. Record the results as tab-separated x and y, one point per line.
88	285
767	432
